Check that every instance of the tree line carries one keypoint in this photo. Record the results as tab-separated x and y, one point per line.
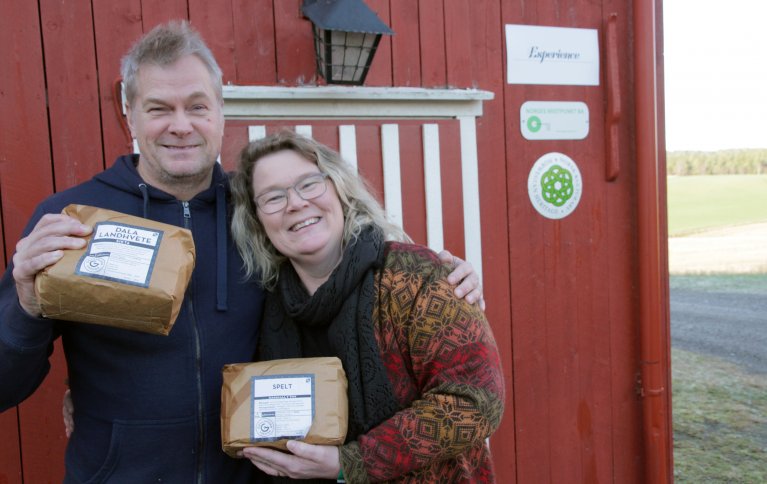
724	162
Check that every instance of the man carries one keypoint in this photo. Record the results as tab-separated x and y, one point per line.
147	406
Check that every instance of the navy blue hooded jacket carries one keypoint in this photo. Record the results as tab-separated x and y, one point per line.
146	406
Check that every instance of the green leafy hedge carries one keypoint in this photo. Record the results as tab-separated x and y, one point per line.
725	162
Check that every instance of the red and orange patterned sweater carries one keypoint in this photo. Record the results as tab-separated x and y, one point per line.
443	363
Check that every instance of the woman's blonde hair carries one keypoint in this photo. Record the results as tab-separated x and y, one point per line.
360	208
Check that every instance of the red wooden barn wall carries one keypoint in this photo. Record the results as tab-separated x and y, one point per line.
561	294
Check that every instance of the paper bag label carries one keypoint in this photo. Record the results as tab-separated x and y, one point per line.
121	253
283	407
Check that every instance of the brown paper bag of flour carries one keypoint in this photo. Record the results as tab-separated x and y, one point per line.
266	404
132	273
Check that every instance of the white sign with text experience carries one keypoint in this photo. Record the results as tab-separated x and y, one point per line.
552	55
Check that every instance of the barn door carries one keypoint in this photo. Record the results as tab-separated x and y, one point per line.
572	101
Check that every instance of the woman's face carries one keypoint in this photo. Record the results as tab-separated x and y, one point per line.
308	232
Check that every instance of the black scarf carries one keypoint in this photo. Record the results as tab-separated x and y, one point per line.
336	321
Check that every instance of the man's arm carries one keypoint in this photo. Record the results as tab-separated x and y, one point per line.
26	339
470	286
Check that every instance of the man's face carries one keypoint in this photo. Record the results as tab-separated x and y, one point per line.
178	121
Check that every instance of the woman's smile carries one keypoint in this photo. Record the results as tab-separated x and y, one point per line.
305	223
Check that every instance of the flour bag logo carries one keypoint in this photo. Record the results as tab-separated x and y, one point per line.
555	185
95	263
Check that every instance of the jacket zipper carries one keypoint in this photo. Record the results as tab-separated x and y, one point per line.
198	359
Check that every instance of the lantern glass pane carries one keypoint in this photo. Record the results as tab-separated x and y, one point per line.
344	57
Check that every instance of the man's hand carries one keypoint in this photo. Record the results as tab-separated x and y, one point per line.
470	286
44	246
306	461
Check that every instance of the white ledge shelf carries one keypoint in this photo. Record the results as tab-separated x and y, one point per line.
333	102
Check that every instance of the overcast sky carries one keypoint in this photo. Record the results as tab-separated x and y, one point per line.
716	74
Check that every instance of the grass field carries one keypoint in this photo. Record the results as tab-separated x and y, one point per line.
720	421
731	283
700	202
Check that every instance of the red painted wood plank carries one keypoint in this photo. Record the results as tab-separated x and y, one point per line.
529	315
624	332
369	156
235	138
529	299
595	418
116	25
10	455
458	44
42	428
626	408
72	91
562	355
565	355
380	73
254	42
592	325
155	12
406	59
412	181
25	156
294	44
214	20
431	14
3	261
325	132
487	67
452	187
25	167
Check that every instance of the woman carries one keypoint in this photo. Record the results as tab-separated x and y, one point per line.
425	383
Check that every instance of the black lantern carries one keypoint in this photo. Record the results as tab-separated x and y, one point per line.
346	36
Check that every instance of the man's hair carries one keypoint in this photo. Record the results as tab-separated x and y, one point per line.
360	208
164	45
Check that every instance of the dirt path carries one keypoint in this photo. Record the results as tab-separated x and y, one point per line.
730	326
740	249
727	325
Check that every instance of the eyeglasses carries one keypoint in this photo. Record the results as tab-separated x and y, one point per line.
308	188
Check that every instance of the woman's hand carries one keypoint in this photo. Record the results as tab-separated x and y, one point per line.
67	411
470	286
306	461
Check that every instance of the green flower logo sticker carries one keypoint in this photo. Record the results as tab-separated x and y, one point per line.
557	185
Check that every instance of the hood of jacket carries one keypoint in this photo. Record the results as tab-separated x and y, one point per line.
124	176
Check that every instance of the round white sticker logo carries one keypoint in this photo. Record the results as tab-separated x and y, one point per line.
555	185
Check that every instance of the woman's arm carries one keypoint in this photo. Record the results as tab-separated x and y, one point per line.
445	369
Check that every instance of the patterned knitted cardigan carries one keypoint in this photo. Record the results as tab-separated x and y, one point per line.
443	363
